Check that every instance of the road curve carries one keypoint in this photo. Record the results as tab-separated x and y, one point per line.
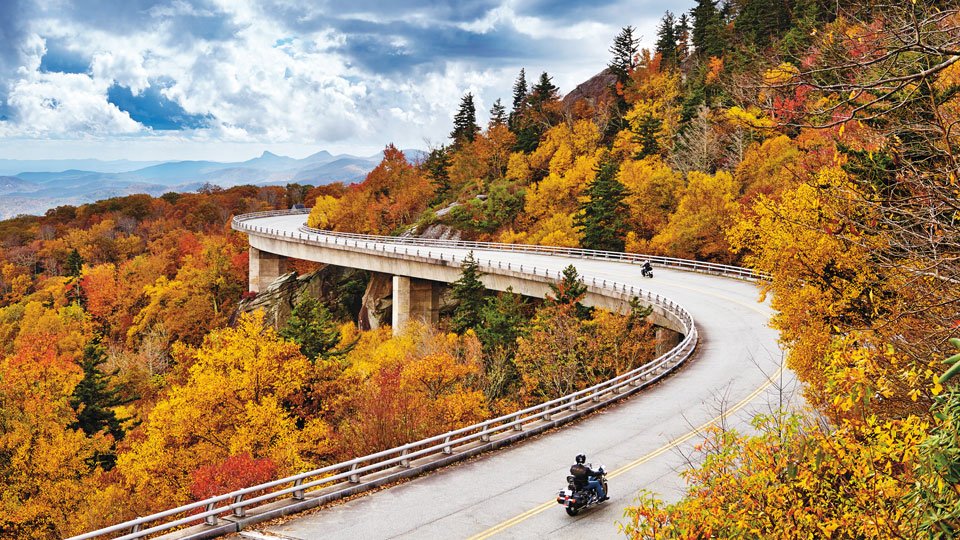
642	440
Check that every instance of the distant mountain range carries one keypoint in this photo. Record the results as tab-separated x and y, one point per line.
35	186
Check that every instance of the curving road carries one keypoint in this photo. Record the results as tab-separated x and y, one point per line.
642	440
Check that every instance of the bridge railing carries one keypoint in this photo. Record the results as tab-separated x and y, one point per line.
635	258
225	512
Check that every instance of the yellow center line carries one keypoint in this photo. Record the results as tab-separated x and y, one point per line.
496	529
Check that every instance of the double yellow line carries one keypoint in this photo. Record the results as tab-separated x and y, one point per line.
672	444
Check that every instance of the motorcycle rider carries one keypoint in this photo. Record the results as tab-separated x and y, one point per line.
586	477
646	269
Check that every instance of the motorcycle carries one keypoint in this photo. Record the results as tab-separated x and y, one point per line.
574	500
646	271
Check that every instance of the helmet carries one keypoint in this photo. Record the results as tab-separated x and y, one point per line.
581	458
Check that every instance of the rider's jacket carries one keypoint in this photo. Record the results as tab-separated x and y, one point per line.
582	474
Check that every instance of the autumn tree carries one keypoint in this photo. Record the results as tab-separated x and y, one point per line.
231	402
46	466
882	85
603	218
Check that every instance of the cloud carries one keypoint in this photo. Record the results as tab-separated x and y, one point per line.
364	72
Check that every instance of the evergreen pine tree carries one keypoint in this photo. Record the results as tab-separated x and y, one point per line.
502	321
465	122
601	218
469	293
645	133
570	290
312	327
667	41
682	34
498	114
543	92
707	22
94	400
74	269
624	49
437	166
519	101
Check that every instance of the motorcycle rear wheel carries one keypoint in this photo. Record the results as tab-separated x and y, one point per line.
572	511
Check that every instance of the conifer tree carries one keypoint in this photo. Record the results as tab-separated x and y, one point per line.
543	92
465	122
570	290
74	269
667	41
519	100
646	131
601	218
94	399
502	321
437	166
498	114
706	29
624	49
469	292
312	327
682	34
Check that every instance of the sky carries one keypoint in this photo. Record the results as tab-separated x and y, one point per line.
229	79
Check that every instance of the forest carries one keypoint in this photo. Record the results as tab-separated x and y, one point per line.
814	141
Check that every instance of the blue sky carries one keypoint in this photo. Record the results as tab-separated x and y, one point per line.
227	79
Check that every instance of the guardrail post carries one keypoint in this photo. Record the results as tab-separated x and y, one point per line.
136	528
573	405
355	478
547	416
298	494
239	511
211	520
405	463
447	449
518	426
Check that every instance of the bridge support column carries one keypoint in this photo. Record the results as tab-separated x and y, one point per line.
264	268
414	299
666	340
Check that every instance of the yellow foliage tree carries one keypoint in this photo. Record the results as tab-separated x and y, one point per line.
697	230
231	403
46	477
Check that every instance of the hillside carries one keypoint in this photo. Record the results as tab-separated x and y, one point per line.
37	186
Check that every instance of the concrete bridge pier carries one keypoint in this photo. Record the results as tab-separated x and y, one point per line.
414	299
666	339
265	267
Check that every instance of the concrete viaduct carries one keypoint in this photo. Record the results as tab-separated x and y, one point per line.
727	367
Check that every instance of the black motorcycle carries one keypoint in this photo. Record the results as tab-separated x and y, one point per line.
646	271
574	500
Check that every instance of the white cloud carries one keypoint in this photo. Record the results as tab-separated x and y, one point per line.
64	105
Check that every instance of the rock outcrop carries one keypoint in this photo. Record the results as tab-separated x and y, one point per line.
331	285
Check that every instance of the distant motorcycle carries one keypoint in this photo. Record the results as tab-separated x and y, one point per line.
646	270
575	499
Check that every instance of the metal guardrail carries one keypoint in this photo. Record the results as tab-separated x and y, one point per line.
636	258
466	440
